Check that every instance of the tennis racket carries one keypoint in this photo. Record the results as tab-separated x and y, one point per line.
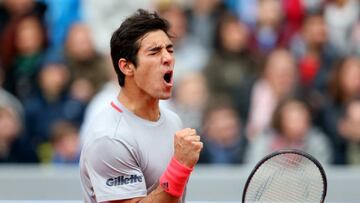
286	176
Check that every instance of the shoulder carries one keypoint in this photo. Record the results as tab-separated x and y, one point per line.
107	124
110	150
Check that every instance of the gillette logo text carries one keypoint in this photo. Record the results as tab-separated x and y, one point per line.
124	180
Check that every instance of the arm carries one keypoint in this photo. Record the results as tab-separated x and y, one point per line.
187	150
158	195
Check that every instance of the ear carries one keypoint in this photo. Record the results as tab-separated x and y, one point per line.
126	67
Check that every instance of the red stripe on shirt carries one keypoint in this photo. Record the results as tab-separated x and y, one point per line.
116	107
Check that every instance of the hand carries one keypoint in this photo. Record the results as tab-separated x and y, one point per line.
187	147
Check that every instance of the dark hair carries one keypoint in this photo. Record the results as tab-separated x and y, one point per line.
219	102
124	41
224	19
335	88
62	128
316	12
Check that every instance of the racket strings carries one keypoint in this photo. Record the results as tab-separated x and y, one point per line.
302	175
288	178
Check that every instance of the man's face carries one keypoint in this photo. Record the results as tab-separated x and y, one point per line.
155	63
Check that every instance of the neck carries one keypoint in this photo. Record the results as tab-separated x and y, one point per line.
140	104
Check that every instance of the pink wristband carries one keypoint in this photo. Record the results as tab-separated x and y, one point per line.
174	179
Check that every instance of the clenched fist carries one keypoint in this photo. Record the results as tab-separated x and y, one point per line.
187	147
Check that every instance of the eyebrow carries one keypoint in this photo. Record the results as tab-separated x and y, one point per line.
159	47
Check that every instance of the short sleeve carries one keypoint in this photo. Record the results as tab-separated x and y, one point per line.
113	170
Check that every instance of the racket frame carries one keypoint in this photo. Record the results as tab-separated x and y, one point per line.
288	151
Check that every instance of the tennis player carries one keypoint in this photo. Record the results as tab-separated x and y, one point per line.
135	150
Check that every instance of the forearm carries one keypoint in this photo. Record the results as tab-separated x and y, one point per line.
158	195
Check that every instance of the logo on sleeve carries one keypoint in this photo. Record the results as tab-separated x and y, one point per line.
124	180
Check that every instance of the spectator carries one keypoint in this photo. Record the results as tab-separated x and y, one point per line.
344	85
277	82
341	16
50	103
87	67
11	10
313	52
291	128
65	143
222	135
349	128
203	16
315	58
232	69
29	42
267	34
13	149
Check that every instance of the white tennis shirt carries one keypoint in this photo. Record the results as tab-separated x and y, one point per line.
123	155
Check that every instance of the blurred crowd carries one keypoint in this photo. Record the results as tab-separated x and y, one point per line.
252	76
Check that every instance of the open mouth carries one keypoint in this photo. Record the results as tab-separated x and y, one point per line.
168	76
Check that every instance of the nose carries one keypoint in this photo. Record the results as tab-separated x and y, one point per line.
167	58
